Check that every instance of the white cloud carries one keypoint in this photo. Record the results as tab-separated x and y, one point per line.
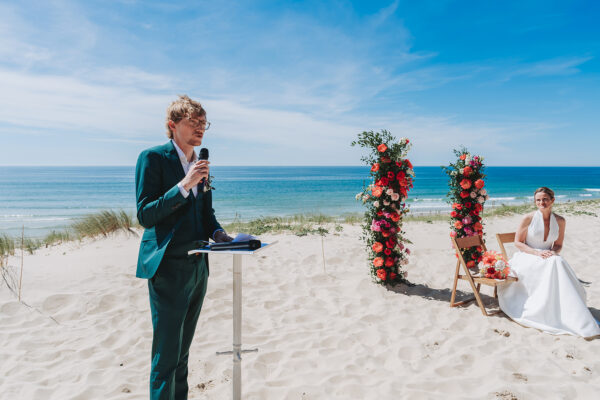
552	67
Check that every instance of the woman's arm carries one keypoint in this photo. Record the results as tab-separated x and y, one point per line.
558	243
521	236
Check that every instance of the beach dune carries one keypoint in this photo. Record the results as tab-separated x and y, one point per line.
83	330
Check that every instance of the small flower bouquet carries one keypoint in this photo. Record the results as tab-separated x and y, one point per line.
493	265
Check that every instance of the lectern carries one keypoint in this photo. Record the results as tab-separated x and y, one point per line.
237	311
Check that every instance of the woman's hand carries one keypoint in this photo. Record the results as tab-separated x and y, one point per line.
546	253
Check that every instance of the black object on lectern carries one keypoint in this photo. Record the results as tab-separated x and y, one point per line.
248	245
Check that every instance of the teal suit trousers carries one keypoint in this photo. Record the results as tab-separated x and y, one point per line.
177	291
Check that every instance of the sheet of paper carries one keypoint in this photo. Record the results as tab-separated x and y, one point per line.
244	237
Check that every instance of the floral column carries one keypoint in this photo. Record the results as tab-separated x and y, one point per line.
392	177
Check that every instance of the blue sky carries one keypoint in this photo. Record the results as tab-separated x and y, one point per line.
293	82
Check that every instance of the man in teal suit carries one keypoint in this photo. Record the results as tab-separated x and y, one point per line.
175	208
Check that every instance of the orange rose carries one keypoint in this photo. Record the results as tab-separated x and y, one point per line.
378	261
467	171
375	167
479	183
382	147
464	194
389	262
408	163
377	191
386	159
470	264
377	247
463	156
381	274
478	227
458	224
465	184
395	217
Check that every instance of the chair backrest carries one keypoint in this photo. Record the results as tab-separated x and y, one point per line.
466	243
505	238
469	241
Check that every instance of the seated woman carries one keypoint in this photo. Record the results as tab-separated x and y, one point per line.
548	295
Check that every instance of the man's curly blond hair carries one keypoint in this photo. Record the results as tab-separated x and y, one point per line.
183	107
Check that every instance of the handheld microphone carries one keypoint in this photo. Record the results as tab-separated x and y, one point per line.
203	155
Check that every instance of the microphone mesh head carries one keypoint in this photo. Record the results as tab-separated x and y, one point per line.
203	154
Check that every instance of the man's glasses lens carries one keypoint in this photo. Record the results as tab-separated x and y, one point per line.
197	124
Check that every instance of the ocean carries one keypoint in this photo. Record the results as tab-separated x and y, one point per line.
49	198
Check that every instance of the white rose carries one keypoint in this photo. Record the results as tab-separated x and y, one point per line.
410	171
404	262
395	196
453	173
480	199
386	203
468	159
358	196
473	195
462	171
483	192
500	264
376	204
389	192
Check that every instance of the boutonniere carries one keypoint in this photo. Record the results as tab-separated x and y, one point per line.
208	184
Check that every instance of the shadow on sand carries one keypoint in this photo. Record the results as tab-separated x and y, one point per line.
443	295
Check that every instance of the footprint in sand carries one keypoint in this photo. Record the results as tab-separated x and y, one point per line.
11	308
57	302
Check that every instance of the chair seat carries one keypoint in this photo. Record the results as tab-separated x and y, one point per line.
488	281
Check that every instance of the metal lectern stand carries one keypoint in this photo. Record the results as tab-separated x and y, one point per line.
237	312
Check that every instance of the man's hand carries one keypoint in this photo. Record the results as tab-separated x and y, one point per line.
221	236
195	174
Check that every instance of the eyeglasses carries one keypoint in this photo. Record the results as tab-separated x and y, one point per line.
199	124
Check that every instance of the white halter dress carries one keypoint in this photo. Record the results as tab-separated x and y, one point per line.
548	295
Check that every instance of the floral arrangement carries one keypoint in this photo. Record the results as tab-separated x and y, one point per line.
467	196
493	265
392	177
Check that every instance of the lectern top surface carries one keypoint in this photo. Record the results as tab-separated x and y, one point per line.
232	251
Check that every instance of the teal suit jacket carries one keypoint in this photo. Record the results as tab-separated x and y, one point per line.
173	224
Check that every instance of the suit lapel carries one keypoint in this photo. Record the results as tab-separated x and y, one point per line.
174	162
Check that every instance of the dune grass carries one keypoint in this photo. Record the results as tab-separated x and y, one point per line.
107	222
7	248
299	225
102	223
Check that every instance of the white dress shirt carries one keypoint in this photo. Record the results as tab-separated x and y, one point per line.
186	167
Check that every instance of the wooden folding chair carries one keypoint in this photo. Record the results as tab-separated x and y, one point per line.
465	243
505	238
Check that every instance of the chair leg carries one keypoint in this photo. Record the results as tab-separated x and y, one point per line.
453	297
495	292
476	292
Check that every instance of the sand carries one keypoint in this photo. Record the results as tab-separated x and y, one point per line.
84	331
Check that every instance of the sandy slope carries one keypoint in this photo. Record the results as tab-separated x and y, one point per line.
321	335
